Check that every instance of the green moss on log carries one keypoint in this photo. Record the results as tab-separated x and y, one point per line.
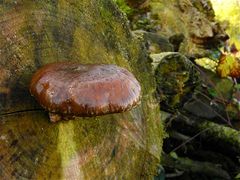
32	34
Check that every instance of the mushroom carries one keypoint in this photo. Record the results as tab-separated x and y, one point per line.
69	89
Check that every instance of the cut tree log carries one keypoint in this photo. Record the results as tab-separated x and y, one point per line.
123	146
224	139
188	165
176	79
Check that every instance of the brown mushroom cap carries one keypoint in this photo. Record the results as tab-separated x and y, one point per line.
73	89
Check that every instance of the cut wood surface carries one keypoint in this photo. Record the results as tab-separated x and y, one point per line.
34	33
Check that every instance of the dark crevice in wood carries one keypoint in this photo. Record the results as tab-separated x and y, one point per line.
20	111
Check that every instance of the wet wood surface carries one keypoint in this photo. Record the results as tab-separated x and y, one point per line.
34	33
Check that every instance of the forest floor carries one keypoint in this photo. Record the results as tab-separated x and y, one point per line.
201	110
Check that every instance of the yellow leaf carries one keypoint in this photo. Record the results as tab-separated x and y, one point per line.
226	65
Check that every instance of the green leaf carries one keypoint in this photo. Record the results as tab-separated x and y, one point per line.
237	86
212	92
174	155
237	176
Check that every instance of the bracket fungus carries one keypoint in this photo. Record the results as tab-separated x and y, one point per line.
68	89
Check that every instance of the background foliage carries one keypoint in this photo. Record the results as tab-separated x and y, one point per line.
229	11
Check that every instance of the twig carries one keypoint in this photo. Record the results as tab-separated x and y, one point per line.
190	139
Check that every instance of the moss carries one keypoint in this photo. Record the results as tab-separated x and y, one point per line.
124	7
86	32
225	134
176	78
165	15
